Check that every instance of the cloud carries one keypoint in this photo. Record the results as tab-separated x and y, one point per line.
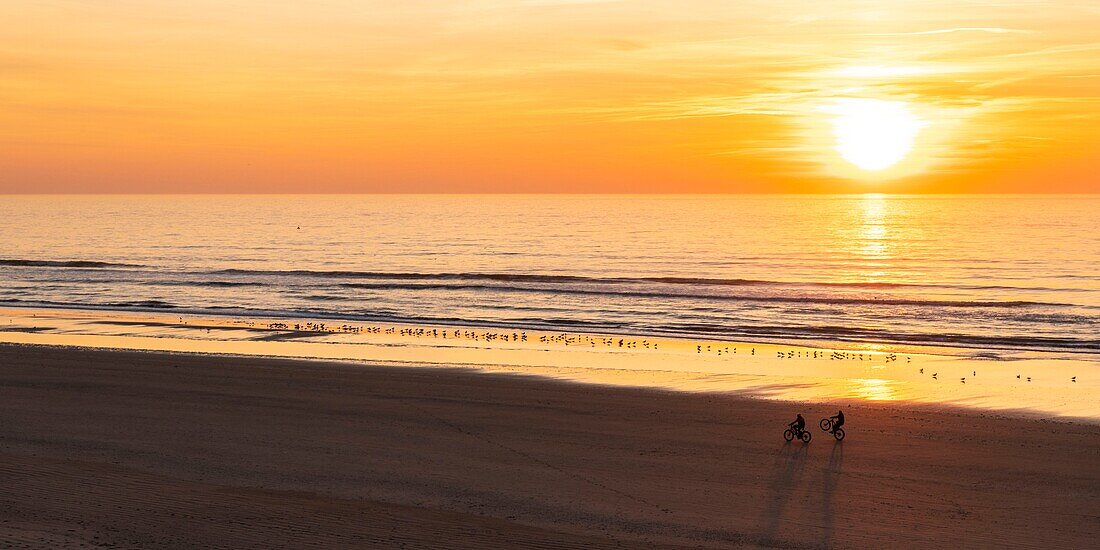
566	2
993	30
1065	48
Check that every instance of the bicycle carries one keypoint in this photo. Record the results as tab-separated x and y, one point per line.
826	425
803	435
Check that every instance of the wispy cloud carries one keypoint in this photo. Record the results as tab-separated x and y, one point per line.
565	2
728	82
992	30
1066	48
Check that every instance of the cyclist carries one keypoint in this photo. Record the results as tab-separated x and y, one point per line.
838	421
798	425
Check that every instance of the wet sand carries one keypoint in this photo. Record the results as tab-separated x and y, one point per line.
1035	384
138	449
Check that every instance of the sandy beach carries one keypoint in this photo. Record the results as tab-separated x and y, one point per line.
550	274
1037	385
137	449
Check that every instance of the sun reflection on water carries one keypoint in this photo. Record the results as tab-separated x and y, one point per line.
871	238
873	234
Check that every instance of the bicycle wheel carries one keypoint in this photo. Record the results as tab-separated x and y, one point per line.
839	434
825	424
788	435
806	436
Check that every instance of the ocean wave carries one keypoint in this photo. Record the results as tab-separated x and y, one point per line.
539	278
151	304
749	332
84	264
137	305
584	279
824	300
499	277
530	278
212	284
851	334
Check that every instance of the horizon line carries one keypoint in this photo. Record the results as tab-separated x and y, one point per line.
518	193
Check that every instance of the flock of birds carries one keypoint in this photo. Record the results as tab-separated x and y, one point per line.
566	339
319	327
481	336
935	376
838	355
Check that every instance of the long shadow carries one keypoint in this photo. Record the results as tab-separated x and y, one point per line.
831	476
786	472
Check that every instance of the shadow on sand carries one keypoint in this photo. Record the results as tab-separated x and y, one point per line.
787	469
830	477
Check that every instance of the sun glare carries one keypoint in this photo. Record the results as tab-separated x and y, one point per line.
873	134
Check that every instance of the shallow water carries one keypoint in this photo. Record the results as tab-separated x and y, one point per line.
975	273
1019	383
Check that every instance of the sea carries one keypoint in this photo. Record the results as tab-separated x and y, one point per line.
965	272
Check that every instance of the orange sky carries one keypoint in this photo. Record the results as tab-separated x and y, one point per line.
545	95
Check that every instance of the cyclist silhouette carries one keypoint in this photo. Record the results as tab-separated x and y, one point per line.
799	424
838	421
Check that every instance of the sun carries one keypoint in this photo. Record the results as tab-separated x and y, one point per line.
873	134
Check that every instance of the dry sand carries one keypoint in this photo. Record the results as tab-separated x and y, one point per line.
133	449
